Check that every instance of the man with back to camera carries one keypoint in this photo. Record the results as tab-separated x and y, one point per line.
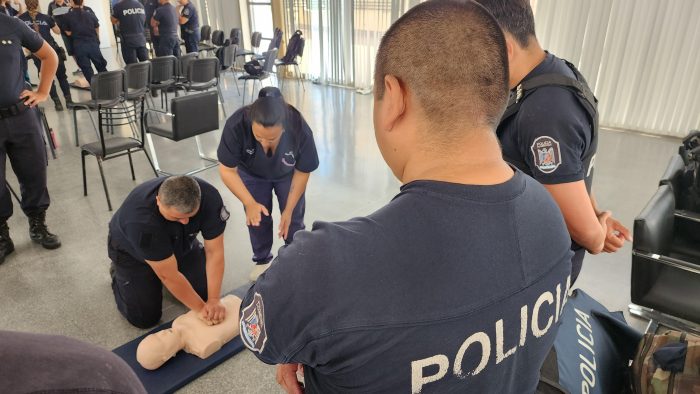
165	21
189	25
553	134
152	242
21	132
130	15
456	285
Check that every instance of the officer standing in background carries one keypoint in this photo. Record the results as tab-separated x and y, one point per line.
6	7
57	10
44	25
550	131
265	147
150	7
21	132
165	22
82	26
189	25
130	15
153	242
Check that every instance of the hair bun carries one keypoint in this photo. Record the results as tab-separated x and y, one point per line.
269	91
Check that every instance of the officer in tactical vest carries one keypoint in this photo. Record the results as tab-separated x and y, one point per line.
550	131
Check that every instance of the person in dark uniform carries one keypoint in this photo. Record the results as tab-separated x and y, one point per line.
57	10
265	147
8	7
44	25
165	22
456	284
189	25
552	137
130	15
152	242
21	132
82	26
150	7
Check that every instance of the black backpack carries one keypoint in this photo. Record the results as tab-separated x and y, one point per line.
294	47
253	67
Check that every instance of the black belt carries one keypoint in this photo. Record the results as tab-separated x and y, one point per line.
12	110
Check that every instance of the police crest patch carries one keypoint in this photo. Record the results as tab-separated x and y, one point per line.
224	214
253	325
546	152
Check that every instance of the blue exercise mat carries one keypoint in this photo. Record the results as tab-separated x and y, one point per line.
181	369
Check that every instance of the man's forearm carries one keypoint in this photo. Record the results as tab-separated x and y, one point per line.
215	273
181	289
299	181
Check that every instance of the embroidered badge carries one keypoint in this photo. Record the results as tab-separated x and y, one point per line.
224	214
253	325
291	162
546	153
250	151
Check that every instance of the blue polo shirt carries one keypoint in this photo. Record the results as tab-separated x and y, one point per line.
14	35
189	12
296	148
82	24
168	21
132	17
43	24
449	288
139	229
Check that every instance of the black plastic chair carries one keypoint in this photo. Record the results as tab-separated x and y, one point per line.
191	116
266	73
205	39
184	65
217	38
236	36
202	75
228	59
138	79
163	76
105	149
102	95
255	39
281	63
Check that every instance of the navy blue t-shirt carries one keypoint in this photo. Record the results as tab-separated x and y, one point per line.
448	288
189	12
82	24
168	22
14	35
296	148
43	23
550	135
140	230
150	6
132	16
8	10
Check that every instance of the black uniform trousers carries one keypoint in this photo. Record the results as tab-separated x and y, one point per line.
132	54
21	140
138	291
168	45
87	51
191	41
60	75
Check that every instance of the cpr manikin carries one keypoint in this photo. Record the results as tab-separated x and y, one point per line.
191	334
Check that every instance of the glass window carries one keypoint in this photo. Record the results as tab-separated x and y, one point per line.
261	20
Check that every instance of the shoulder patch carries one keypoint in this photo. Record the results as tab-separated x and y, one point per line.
253	325
546	154
224	214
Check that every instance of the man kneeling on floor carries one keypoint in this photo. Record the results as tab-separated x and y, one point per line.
456	284
152	240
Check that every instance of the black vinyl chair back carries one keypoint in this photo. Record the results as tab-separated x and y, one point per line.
302	43
229	56
138	79
276	41
236	36
217	38
108	87
163	69
255	39
205	33
184	64
270	57
194	114
204	70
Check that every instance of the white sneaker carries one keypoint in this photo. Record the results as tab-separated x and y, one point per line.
257	270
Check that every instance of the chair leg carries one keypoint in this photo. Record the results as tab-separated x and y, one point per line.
221	96
82	159
131	165
150	162
296	66
104	182
245	92
75	126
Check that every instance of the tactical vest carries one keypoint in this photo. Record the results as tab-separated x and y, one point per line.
583	94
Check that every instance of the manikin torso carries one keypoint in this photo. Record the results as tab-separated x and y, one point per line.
191	334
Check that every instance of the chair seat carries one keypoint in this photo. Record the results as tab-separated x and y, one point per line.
206	47
93	104
281	63
162	84
135	94
199	86
244	52
112	145
675	292
249	77
163	129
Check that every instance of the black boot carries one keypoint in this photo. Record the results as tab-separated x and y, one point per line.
57	104
69	102
39	233
6	245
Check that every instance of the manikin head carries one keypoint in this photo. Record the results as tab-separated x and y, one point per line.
157	348
178	198
518	23
457	86
268	114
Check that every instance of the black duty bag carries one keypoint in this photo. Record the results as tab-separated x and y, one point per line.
253	67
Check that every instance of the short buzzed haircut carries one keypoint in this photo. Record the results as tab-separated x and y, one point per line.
451	55
514	16
181	192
